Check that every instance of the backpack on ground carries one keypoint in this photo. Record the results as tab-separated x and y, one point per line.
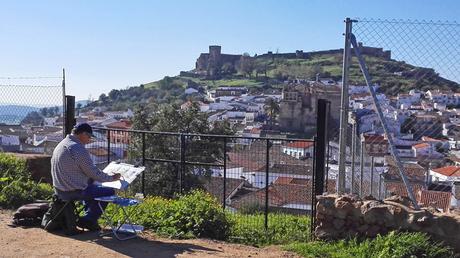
30	215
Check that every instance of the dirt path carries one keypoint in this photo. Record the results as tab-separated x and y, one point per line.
35	242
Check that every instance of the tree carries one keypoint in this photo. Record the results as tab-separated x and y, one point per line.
163	178
79	105
246	65
114	95
227	69
103	98
44	111
272	109
33	118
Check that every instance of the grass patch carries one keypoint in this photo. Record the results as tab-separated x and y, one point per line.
282	229
392	245
232	83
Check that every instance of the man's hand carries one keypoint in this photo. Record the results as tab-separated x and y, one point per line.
116	177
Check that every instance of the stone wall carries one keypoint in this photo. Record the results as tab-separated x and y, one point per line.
345	216
39	166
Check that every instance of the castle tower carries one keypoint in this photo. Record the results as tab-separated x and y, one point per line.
214	52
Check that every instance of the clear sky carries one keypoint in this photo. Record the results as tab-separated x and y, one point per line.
106	45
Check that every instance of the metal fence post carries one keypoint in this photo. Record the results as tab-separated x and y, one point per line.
361	167
69	115
143	163
344	108
328	145
225	173
267	167
108	146
380	187
353	153
182	161
372	176
320	150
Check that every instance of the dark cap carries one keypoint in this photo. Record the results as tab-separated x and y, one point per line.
83	128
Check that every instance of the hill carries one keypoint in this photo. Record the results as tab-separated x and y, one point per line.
267	73
13	114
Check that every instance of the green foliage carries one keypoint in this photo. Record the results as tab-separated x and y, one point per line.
14	193
11	166
16	187
162	179
196	214
392	245
33	118
282	229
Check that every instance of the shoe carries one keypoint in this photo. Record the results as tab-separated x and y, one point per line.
91	226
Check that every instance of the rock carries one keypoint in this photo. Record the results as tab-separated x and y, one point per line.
338	223
372	231
326	233
363	228
369	198
400	199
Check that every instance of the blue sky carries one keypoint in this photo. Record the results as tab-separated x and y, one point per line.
112	44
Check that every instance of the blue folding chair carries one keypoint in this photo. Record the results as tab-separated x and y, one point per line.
125	225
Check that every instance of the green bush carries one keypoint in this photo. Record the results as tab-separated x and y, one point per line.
14	193
16	186
13	167
282	229
196	214
392	245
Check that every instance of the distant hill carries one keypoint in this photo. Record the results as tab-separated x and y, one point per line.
266	74
13	114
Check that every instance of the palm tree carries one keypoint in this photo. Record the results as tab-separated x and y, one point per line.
272	109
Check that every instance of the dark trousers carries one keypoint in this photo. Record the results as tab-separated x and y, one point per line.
92	210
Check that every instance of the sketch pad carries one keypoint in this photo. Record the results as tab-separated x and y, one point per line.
128	174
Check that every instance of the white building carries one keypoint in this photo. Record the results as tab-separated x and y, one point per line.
299	149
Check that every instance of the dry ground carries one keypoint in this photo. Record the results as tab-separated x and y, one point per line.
35	242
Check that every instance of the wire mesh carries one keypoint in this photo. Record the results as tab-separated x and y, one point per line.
414	66
30	114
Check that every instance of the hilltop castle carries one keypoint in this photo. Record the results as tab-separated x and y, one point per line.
210	64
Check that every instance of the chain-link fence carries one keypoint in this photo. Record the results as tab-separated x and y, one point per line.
31	109
413	68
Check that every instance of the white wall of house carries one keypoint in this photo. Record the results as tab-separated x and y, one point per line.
258	179
298	152
298	206
436	177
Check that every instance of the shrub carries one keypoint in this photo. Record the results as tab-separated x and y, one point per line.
16	187
282	229
19	192
391	245
13	167
196	214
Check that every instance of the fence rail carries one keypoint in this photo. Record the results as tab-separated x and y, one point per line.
248	175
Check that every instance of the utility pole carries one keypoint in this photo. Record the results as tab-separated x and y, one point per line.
344	108
63	103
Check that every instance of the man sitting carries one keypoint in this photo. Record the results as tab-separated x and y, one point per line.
73	174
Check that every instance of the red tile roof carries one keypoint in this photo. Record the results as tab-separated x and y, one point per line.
436	199
120	125
300	144
429	139
398	188
375	139
448	171
421	145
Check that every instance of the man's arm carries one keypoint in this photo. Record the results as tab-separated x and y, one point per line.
87	166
